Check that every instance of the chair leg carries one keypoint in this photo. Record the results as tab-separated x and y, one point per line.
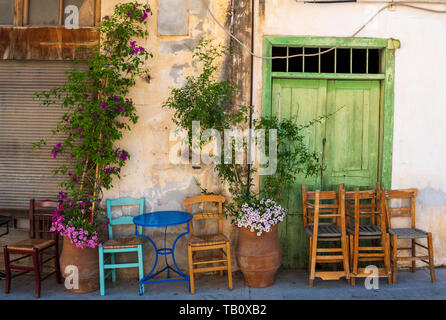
222	263
309	254
394	257
431	257
36	262
351	249
228	257
354	260
141	268
191	270
387	264
344	244
113	261
7	270
414	263
194	257
101	271
313	261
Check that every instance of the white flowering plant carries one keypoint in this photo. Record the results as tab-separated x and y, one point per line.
260	215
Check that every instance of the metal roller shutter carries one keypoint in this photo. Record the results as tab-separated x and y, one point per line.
26	173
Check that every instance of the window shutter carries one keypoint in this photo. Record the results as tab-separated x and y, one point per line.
26	173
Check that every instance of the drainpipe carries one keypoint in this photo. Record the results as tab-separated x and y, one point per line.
251	94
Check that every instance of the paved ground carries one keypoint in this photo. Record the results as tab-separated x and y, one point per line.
289	285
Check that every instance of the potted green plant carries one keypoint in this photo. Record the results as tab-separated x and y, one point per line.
258	213
97	112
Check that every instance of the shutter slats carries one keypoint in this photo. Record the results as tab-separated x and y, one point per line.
26	173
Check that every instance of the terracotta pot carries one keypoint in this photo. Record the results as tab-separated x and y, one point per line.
87	262
259	257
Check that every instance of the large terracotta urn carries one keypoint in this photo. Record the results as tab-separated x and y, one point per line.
259	257
86	260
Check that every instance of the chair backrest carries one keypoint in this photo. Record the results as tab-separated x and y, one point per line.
328	205
401	210
40	220
218	199
123	220
361	204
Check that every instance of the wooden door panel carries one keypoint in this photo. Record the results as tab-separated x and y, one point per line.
352	134
302	100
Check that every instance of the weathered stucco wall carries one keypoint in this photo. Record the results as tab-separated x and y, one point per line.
148	173
419	101
419	110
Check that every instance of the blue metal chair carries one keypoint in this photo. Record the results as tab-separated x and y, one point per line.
119	245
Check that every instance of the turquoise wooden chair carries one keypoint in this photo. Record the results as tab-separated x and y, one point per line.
120	245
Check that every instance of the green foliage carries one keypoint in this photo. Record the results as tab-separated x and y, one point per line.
293	155
206	100
97	107
203	98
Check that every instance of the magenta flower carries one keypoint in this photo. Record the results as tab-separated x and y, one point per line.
56	149
62	195
133	43
123	155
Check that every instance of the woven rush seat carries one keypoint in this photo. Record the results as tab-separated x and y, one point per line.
121	243
366	230
324	230
31	244
408	233
207	240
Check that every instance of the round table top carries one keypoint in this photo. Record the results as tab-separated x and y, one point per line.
162	218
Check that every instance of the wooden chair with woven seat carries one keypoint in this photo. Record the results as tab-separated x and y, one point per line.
360	205
205	242
36	246
120	245
412	233
324	221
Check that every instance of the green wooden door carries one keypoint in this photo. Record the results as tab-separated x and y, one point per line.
352	134
351	147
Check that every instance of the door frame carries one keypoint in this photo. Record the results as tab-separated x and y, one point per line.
386	77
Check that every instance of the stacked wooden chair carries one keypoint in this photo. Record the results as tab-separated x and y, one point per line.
324	221
410	234
360	206
208	242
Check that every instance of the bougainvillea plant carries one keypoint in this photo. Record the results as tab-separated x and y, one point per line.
98	110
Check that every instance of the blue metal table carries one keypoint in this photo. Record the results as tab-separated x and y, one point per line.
163	219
